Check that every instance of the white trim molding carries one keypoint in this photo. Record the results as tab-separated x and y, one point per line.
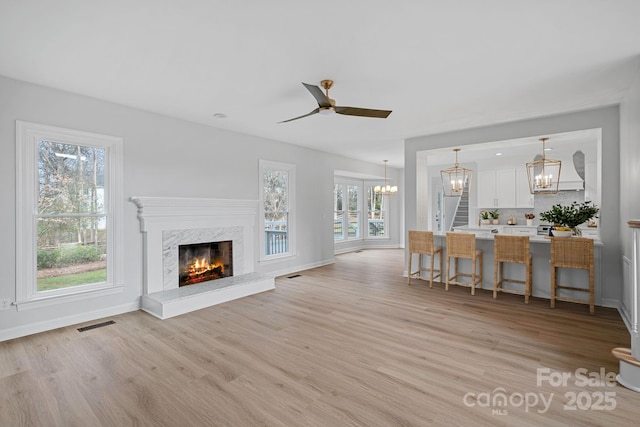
27	135
167	222
155	210
264	165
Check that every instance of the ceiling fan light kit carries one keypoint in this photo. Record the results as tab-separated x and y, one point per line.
327	111
327	106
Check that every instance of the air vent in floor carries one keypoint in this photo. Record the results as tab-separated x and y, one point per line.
97	325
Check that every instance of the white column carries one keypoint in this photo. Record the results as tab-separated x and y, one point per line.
635	290
629	375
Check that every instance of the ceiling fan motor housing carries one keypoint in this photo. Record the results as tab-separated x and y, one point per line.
327	106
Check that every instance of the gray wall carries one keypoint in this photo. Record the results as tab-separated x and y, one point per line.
164	157
629	178
605	118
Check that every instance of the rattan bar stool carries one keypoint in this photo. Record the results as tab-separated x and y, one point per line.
463	245
421	243
512	249
572	252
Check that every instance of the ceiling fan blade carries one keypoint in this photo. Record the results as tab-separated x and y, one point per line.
317	93
363	112
296	118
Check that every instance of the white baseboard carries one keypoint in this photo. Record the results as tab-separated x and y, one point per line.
297	268
626	316
61	322
339	251
611	303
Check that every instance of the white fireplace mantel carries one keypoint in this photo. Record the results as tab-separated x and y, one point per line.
167	222
155	211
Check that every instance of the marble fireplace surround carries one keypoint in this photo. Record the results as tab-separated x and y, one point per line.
167	222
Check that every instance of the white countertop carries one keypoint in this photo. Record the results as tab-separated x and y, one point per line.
486	234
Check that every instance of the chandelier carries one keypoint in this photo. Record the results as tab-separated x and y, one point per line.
386	189
455	178
544	173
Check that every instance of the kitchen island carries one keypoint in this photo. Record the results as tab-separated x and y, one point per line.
541	254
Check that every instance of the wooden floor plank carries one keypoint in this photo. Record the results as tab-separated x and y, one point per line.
348	344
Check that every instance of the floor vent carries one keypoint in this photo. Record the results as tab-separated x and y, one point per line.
97	325
294	276
358	252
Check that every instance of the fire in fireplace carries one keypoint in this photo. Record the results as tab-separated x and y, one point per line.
202	262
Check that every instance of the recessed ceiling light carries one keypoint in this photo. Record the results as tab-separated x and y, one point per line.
498	154
548	149
220	116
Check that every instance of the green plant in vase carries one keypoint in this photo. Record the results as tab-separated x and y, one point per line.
495	215
570	216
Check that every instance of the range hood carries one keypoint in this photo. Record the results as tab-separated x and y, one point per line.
572	172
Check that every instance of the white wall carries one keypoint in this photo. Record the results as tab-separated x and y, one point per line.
606	118
162	157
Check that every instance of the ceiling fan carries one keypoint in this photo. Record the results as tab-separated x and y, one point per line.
327	105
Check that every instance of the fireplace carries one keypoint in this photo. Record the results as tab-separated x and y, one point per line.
203	262
170	225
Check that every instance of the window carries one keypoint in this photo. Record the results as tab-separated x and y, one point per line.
68	213
376	213
348	205
346	217
277	195
338	213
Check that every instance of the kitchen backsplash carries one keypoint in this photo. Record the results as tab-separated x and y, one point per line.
543	202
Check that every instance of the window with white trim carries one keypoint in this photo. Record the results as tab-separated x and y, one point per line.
347	209
351	199
68	214
277	193
376	213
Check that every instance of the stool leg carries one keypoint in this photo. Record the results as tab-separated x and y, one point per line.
553	286
456	269
527	286
446	286
479	275
481	269
473	277
431	272
409	270
496	265
591	296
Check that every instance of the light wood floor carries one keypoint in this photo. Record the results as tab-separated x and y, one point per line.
349	344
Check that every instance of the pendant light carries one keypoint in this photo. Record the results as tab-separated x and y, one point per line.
386	190
455	178
544	173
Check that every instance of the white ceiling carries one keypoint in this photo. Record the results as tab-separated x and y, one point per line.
439	65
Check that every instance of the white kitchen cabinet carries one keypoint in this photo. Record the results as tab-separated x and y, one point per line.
497	188
486	189
504	188
591	233
524	198
522	231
